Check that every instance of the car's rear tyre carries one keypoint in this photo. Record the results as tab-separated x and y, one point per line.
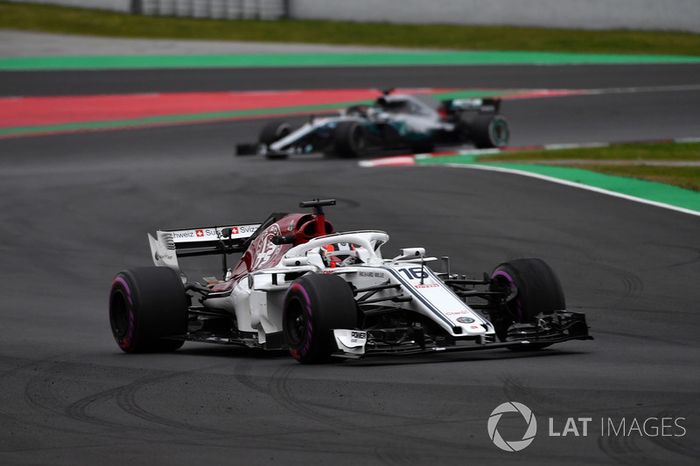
147	308
489	131
532	288
274	131
315	305
350	140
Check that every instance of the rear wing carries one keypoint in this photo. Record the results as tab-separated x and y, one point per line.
168	245
483	105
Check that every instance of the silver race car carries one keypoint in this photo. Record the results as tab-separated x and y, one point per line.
394	122
301	286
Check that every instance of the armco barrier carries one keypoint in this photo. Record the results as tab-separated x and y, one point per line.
678	15
225	9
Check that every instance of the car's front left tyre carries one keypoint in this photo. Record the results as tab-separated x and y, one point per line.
148	310
531	287
350	140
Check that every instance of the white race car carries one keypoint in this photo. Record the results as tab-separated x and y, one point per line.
301	286
395	121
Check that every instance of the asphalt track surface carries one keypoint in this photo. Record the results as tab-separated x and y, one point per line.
27	83
75	210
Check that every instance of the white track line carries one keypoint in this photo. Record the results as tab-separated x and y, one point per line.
643	89
572	185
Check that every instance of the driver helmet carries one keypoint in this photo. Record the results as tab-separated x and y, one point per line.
337	258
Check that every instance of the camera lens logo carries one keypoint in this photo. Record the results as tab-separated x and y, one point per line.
514	445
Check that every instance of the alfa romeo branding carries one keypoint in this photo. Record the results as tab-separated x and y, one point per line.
264	247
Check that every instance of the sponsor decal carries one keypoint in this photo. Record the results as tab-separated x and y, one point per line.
183	234
211	234
465	320
372	274
243	230
427	285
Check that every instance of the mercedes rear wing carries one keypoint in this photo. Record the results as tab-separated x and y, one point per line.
168	245
482	105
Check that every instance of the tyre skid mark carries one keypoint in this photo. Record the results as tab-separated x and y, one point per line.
126	400
678	445
124	396
283	395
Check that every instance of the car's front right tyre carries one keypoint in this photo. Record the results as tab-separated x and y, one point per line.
148	310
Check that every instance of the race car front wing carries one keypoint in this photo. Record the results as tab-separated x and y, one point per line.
549	329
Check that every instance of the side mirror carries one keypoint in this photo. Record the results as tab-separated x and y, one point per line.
410	253
413	253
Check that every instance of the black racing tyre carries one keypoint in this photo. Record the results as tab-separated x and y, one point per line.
488	131
532	287
350	139
274	131
315	305
146	306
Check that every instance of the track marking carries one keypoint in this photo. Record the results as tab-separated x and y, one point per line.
573	184
413	160
34	116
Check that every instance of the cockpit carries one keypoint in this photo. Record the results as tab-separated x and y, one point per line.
405	104
340	249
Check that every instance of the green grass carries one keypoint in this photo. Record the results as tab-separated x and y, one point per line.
684	177
628	154
56	19
644	151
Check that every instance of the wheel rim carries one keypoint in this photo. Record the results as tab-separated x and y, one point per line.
283	131
358	139
499	132
296	322
119	315
513	303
